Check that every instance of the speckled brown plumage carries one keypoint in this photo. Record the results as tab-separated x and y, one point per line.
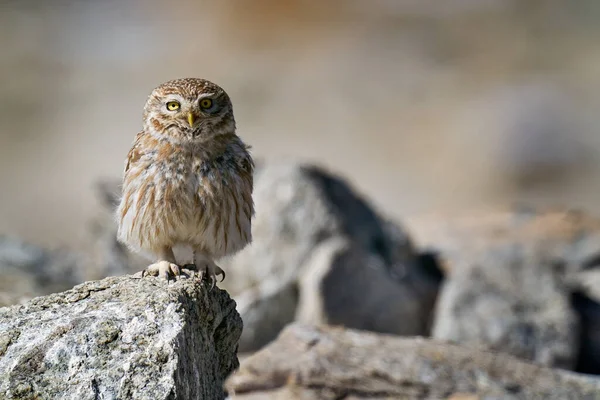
188	180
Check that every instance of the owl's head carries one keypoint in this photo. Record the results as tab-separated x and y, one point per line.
189	108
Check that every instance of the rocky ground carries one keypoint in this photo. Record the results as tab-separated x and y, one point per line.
337	302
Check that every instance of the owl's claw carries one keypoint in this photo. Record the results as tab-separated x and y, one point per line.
189	270
163	269
208	270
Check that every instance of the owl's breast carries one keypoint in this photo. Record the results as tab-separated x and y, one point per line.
217	170
225	204
158	203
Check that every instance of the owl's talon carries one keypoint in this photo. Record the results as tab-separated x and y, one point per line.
189	270
208	270
163	269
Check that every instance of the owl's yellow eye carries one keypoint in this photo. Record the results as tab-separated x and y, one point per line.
206	104
173	105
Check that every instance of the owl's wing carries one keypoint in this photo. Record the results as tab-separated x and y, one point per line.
247	166
135	153
246	169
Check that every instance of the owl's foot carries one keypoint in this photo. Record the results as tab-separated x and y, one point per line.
209	271
206	270
163	269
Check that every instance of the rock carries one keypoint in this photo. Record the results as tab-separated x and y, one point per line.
266	312
28	271
512	277
344	285
120	338
297	208
331	363
326	250
320	253
512	300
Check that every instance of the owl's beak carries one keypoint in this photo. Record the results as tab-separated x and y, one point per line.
191	119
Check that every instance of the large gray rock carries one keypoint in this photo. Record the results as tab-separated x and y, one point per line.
120	338
326	250
513	276
320	254
331	363
513	300
298	207
348	286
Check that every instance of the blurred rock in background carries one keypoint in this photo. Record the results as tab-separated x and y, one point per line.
28	271
316	363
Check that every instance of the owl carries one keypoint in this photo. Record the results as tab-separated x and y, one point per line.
188	181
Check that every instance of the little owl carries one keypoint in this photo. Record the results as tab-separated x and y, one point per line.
188	181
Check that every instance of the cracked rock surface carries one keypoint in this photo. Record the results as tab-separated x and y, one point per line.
311	363
120	338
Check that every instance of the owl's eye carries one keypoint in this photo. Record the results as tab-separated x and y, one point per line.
173	105
205	104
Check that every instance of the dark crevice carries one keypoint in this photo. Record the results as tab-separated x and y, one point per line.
591	263
95	389
430	266
588	361
402	389
342	199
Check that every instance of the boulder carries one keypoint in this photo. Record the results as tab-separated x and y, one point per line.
321	246
520	281
513	300
325	249
299	207
321	242
345	285
323	363
120	338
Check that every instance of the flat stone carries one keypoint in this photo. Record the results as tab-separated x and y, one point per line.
323	363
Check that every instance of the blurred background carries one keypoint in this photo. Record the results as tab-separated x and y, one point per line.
423	105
